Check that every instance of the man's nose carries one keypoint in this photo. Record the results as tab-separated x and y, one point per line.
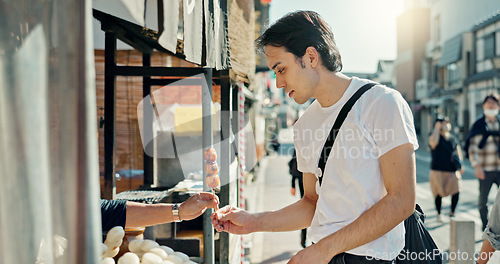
280	83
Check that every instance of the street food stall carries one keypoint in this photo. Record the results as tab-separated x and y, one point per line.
181	86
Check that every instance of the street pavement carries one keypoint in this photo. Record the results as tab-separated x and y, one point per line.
270	190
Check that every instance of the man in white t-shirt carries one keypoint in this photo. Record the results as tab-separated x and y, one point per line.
368	186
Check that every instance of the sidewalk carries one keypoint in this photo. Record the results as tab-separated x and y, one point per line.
271	191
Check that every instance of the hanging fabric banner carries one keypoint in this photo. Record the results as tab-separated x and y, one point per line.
210	46
221	36
168	38
193	30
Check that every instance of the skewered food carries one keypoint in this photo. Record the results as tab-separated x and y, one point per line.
212	181
212	168
210	155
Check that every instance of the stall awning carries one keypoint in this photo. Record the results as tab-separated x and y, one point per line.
452	51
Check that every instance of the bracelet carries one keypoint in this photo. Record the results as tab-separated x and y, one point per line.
175	213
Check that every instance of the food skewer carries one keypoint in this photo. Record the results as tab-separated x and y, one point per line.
212	169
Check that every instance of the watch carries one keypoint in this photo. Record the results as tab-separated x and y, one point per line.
175	212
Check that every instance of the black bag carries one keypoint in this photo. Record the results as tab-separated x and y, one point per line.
455	160
419	245
418	241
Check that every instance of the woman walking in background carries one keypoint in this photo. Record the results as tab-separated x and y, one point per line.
446	170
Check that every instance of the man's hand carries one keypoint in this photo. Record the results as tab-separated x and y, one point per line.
197	204
311	254
292	191
479	172
438	126
233	220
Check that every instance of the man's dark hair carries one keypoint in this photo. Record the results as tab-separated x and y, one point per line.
299	30
493	97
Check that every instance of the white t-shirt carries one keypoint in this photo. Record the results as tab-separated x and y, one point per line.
352	183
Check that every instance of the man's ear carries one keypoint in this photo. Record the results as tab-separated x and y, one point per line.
312	56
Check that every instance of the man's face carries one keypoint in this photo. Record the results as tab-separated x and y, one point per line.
490	108
296	77
445	126
491	105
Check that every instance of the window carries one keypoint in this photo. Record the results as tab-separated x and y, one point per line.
489	46
453	73
468	64
437	30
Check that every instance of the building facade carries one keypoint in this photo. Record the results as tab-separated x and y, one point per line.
453	54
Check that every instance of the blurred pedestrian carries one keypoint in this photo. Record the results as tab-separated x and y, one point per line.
483	148
446	170
275	143
491	235
297	180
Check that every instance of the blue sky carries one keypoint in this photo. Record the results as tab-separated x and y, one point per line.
365	30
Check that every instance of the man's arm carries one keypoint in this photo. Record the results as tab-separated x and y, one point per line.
491	234
293	217
434	137
461	157
486	251
301	212
474	157
139	214
398	171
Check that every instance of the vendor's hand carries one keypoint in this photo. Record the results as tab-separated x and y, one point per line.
292	191
479	172
233	220
312	254
197	204
461	171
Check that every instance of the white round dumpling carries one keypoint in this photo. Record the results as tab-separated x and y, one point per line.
111	253
159	252
108	261
167	262
167	249
175	259
181	255
116	233
129	258
135	245
113	244
190	262
149	244
151	258
104	248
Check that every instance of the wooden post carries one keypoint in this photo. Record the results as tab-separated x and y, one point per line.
109	116
207	139
148	125
225	158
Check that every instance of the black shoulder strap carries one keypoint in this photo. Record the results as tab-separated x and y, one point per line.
336	127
